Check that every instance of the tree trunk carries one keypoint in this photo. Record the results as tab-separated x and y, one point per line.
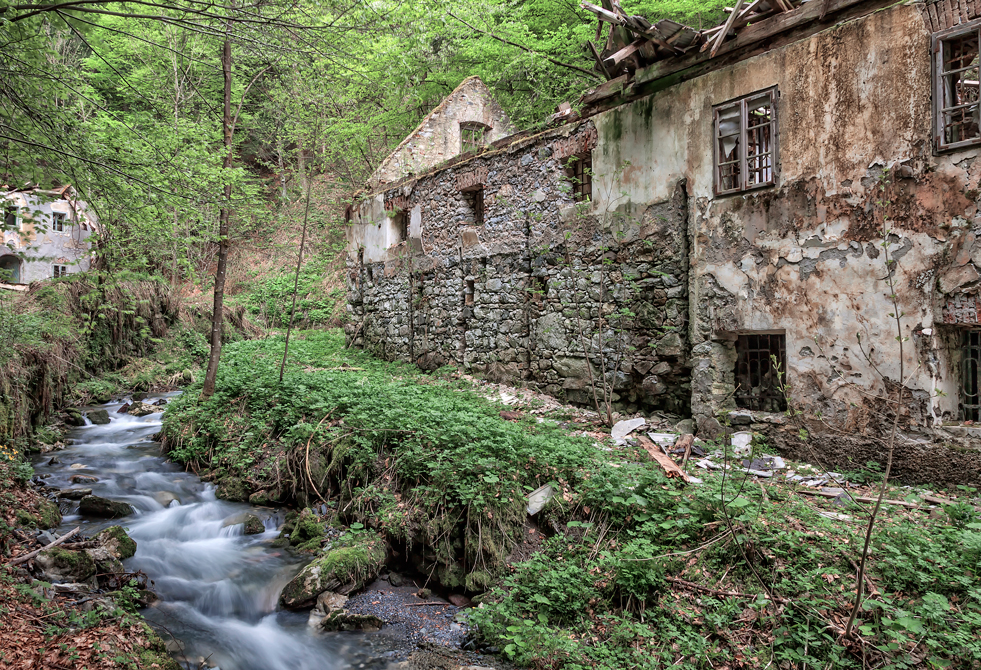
219	304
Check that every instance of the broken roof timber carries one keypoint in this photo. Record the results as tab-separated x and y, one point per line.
806	20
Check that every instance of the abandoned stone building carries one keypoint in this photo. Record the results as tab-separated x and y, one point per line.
716	230
45	234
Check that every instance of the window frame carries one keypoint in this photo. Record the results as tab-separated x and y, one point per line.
474	197
748	354
472	126
774	94
58	220
11	210
58	271
581	180
936	72
969	389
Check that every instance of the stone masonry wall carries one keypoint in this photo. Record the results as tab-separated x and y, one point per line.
563	296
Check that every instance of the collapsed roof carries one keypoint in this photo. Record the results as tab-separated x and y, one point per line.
634	42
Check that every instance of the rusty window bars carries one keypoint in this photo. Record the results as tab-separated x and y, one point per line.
971	375
745	144
758	384
956	81
580	173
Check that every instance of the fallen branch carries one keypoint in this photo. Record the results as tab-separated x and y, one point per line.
26	557
718	592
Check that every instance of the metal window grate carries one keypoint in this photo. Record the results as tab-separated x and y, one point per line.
957	84
581	176
971	375
757	381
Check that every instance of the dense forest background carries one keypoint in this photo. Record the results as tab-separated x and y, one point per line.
124	101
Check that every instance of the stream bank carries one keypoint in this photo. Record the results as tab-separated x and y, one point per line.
217	586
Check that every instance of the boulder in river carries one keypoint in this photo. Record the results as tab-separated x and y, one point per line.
74	418
73	494
117	542
142	409
63	565
103	507
99	417
83	479
165	498
124	409
341	569
253	524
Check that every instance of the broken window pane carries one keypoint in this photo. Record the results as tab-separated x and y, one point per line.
971	375
745	152
471	137
958	88
759	358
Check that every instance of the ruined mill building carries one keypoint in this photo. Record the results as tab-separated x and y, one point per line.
712	233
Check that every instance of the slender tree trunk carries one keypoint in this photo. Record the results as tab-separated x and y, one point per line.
296	279
219	304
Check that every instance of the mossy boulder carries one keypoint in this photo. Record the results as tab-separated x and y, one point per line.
341	569
306	531
74	418
47	515
117	542
141	409
99	417
253	524
233	488
154	654
341	620
103	507
63	565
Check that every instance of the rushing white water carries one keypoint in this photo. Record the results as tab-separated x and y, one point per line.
218	588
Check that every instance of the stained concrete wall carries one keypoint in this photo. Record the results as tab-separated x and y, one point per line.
804	258
36	245
438	138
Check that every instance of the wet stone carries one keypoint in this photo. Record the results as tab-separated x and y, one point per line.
99	417
73	494
103	507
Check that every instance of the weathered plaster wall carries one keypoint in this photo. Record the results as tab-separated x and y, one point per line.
526	294
805	258
437	138
37	246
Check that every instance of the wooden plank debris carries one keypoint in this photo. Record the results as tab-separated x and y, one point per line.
669	466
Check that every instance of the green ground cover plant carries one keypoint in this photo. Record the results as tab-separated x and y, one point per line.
637	570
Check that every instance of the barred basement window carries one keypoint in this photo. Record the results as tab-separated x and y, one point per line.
955	84
60	271
471	136
746	143
475	198
757	382
59	222
580	172
971	375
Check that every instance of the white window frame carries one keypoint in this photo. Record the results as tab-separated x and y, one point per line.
939	108
59	271
741	103
58	220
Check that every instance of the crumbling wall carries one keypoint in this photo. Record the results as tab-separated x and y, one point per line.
561	295
437	138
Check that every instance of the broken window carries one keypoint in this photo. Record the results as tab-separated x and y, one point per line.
59	222
401	227
971	375
471	136
746	143
60	271
580	173
955	72
475	198
761	359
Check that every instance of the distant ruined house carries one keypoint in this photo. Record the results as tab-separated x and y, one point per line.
45	235
704	235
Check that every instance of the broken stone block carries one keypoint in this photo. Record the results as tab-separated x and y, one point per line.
957	277
740	418
538	498
741	442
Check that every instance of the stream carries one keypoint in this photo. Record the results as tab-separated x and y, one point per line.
218	588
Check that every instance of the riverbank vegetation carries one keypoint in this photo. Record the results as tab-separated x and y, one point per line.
627	568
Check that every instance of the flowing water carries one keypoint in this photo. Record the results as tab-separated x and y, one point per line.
218	587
